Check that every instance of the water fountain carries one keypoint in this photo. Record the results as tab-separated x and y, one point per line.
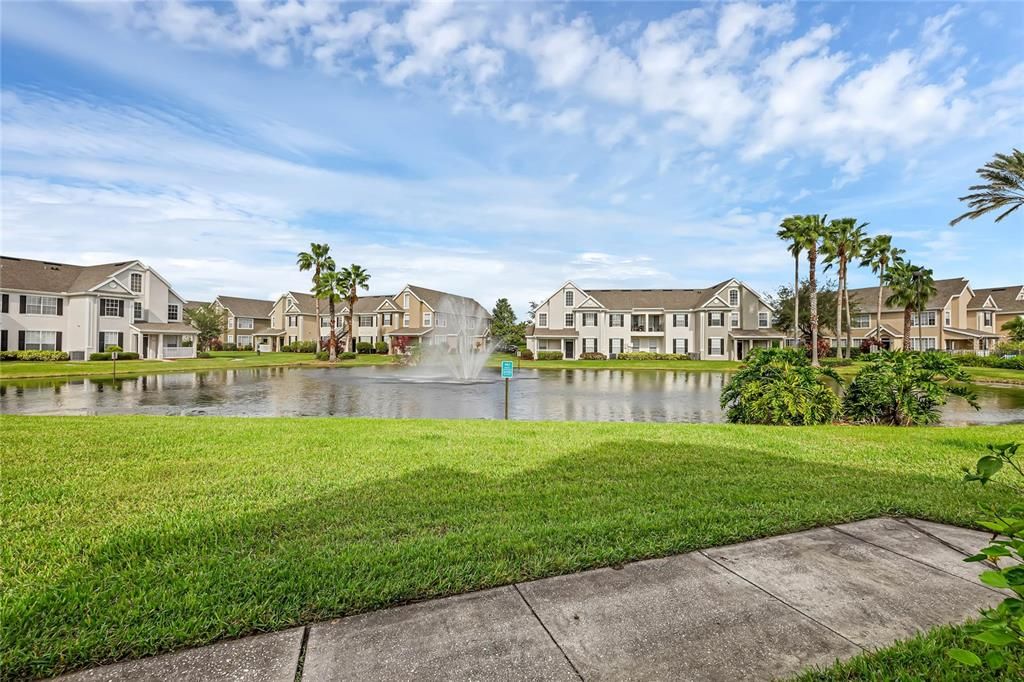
459	346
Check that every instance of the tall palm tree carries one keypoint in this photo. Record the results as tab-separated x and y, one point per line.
354	278
330	286
812	231
843	242
791	232
879	254
1004	188
317	260
911	287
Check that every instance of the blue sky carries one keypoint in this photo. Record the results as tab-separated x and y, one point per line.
501	149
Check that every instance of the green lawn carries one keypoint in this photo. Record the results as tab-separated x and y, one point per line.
128	536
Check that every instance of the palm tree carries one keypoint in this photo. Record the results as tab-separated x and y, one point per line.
354	278
844	242
330	286
791	232
812	230
911	287
317	260
1004	187
879	254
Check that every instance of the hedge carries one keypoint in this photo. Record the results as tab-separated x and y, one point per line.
652	356
325	355
1016	362
549	355
34	355
120	356
300	347
593	356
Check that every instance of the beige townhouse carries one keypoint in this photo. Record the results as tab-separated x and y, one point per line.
1009	304
84	309
955	319
249	323
721	322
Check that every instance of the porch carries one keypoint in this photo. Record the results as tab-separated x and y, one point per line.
743	342
968	341
158	341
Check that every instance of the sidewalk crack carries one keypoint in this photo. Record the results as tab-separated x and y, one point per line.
302	654
550	636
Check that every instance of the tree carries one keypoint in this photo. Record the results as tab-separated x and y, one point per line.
905	389
317	260
812	229
787	308
532	312
911	287
779	386
1003	188
330	286
504	327
879	254
843	242
209	321
791	231
354	278
1016	329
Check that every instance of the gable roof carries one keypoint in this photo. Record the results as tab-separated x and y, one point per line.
1004	297
246	307
867	297
444	302
25	274
365	305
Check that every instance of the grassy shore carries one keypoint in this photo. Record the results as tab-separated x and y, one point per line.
129	536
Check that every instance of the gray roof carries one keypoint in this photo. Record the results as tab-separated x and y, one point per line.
444	302
192	305
1005	298
164	327
365	305
544	332
666	299
247	307
25	274
866	298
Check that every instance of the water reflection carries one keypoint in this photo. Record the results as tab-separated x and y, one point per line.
566	395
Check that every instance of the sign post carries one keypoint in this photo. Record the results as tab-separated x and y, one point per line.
113	357
506	373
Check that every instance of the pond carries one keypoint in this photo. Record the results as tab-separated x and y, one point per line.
567	395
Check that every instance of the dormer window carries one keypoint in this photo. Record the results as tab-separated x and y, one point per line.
405	301
570	298
172	312
137	282
734	297
542	319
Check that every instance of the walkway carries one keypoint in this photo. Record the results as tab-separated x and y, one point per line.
758	610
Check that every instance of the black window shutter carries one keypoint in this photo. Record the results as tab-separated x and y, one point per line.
21	335
21	308
5	303
120	308
3	338
99	346
60	308
60	340
120	339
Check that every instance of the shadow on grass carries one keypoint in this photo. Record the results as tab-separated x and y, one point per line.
434	532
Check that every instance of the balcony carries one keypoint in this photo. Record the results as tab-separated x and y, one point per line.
647	325
178	352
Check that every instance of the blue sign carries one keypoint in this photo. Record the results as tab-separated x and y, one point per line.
506	369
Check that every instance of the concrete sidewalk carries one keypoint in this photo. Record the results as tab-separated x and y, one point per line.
758	610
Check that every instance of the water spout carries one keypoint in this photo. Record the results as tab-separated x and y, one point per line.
458	346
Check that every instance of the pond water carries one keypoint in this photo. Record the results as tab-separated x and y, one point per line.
568	395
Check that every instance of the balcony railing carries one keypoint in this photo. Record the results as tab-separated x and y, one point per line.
178	352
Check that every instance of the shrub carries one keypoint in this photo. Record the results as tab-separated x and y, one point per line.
779	386
643	355
230	346
249	347
299	347
364	347
203	354
1010	348
836	362
869	344
526	354
381	347
113	348
326	355
120	356
34	355
905	389
187	343
973	360
549	355
593	356
347	355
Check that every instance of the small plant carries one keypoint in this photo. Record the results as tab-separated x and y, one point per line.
203	355
364	347
34	355
120	356
593	356
549	355
230	346
644	355
779	386
1002	626
113	348
381	348
526	354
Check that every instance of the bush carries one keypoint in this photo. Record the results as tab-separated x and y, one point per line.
120	356
778	386
1010	348
347	355
114	348
299	347
593	356
203	354
381	347
869	344
187	343
643	355
549	355
526	354
836	362
230	346
972	360
905	389
326	355
215	344
34	355
364	347
249	347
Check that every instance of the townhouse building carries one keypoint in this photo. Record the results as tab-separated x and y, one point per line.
85	309
1009	302
721	322
249	323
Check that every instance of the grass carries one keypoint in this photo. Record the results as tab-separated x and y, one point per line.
129	536
921	658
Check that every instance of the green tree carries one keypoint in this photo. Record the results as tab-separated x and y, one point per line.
354	278
1016	329
318	260
504	328
843	242
787	308
791	231
779	386
209	322
905	389
1003	188
879	254
330	286
812	230
911	286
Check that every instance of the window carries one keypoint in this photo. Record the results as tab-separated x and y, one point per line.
925	319
428	319
440	320
590	320
681	320
570	298
734	297
244	340
386	319
405	320
231	322
325	321
986	319
243	322
542	319
860	321
109	339
137	282
589	345
947	318
172	312
405	301
44	305
716	346
927	343
734	320
569	321
231	338
652	345
40	340
655	323
762	319
137	310
638	323
716	319
109	307
681	346
616	320
366	320
614	346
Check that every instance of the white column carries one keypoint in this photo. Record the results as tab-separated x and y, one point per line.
160	346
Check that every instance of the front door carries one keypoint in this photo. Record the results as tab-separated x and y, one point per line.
145	347
570	349
739	350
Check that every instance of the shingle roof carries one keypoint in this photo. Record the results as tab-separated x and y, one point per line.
247	307
866	298
1005	298
365	305
669	299
444	302
192	305
35	275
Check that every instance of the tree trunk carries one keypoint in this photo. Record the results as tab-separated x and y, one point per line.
812	260
351	322
906	327
878	311
839	310
316	302
846	302
332	340
796	299
920	329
